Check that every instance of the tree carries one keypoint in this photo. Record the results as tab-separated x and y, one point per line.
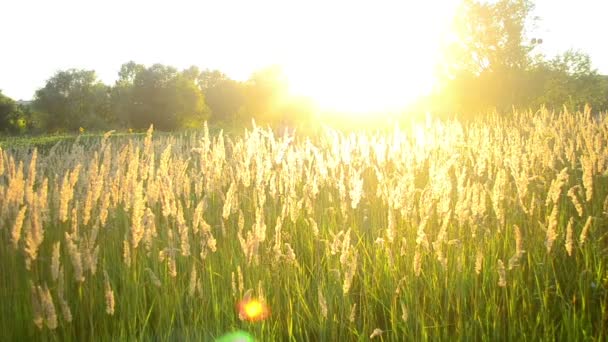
487	61
8	114
489	65
569	80
72	99
158	95
266	95
224	97
488	37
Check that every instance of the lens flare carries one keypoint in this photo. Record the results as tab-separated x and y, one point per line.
253	310
237	336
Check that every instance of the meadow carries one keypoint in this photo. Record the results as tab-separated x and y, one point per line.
442	230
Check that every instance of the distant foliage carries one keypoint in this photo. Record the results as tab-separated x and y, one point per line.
72	99
12	115
490	64
159	95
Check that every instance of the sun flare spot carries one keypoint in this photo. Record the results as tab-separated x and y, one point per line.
253	310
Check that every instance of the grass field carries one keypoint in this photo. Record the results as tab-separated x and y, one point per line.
495	230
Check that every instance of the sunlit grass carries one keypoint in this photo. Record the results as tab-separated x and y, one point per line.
487	231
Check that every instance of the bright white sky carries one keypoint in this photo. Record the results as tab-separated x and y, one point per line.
334	51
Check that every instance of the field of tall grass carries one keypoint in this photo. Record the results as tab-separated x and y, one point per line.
494	230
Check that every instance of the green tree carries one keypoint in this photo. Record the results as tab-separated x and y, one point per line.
488	59
569	80
489	36
159	95
224	97
72	99
9	114
266	95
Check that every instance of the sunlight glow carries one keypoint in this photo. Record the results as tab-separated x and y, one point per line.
253	310
379	59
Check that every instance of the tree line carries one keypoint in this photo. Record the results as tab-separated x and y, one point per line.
491	63
161	95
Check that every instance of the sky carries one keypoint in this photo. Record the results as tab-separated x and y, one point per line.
328	49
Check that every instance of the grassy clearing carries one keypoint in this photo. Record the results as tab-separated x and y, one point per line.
485	231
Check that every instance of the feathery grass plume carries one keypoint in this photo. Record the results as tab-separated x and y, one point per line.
519	251
336	244
55	262
585	232
345	249
391	229
74	220
184	239
149	223
230	194
105	138
417	262
353	313
67	192
171	264
126	252
63	303
103	208
356	187
349	273
16	184
377	332
36	307
322	303
313	225
137	213
441	240
109	294
34	235
92	180
574	194
16	231
31	179
588	172
555	189
1	162
404	313
46	300
193	281
75	256
197	217
502	276
498	197
478	261
569	237
551	234
89	256
211	242
130	180
403	249
241	220
290	255
421	238
260	224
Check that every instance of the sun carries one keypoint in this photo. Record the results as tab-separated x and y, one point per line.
363	59
355	88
